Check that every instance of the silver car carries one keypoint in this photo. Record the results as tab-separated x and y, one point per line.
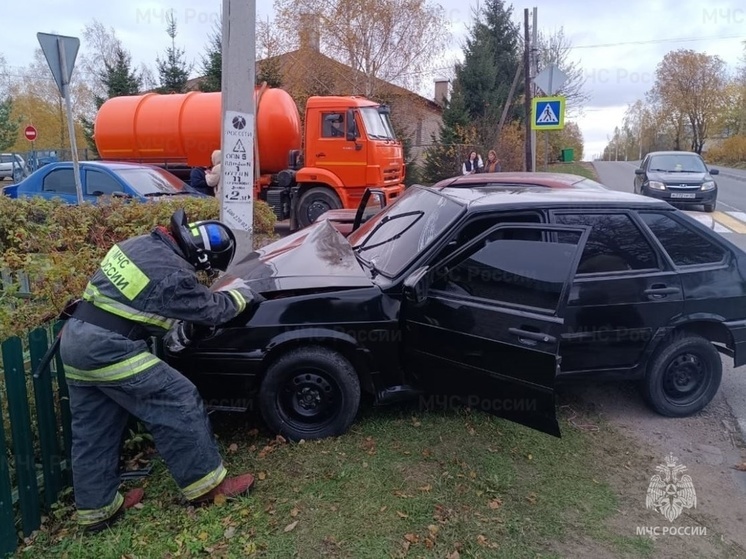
12	166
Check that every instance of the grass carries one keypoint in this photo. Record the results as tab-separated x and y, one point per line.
582	168
401	483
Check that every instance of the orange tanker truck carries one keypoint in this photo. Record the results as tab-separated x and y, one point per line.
347	145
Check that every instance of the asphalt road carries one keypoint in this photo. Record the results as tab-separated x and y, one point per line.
730	221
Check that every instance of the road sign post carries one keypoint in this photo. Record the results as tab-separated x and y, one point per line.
238	126
60	52
550	81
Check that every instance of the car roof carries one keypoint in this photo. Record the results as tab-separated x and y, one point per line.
113	165
525	197
551	180
672	152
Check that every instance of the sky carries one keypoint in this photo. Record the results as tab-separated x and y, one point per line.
618	45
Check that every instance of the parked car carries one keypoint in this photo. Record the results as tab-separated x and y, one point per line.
100	178
344	219
679	177
492	296
12	166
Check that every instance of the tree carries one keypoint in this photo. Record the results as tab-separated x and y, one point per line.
9	126
491	59
555	49
269	43
692	85
398	41
570	137
100	48
212	61
173	71
116	79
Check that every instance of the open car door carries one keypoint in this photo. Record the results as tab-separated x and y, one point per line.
483	326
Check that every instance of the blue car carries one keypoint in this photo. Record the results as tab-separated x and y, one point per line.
100	178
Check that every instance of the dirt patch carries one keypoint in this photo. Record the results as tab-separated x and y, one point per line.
632	441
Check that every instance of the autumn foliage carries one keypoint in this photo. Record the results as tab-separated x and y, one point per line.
59	246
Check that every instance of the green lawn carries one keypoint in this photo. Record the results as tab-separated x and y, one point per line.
402	483
582	168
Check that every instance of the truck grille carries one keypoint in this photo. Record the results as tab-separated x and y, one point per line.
391	175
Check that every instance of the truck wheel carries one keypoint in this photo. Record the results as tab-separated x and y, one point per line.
683	376
315	202
310	393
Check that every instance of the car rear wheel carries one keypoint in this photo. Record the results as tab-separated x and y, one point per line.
310	393
683	377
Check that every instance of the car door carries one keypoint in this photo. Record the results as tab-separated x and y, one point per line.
623	293
488	328
60	183
640	178
346	159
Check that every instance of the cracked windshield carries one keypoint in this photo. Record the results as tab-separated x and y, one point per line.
373	279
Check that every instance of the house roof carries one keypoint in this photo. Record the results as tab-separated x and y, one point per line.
307	62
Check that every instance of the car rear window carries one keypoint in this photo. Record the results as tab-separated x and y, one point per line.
685	245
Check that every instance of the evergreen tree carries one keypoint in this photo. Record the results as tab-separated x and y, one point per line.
492	56
212	62
173	71
117	78
9	127
268	70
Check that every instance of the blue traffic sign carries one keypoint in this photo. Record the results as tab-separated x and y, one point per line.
548	113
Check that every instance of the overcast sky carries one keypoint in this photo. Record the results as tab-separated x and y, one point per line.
618	45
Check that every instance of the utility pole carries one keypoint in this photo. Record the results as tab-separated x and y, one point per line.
527	96
238	126
535	52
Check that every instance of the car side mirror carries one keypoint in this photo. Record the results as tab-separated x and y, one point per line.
714	172
415	286
120	194
639	172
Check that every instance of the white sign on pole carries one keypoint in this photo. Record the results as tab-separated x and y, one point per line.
238	170
550	79
60	52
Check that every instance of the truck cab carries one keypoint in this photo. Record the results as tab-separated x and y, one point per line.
350	146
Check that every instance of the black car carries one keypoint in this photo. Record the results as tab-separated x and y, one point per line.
485	296
679	177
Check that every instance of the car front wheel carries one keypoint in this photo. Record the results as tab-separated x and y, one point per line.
683	377
310	393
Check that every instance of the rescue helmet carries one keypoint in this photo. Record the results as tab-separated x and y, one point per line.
207	245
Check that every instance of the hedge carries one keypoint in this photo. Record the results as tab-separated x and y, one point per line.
59	246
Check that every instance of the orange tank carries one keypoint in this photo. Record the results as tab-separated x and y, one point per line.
185	128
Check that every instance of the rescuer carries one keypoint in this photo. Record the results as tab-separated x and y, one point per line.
143	287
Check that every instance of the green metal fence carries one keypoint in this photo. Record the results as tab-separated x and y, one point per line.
35	453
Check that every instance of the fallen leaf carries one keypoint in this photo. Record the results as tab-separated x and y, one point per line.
426	488
279	439
203	536
531	498
294	513
233	448
291	526
454	555
220	499
429	544
412	538
481	540
495	504
530	457
229	533
262	476
740	467
402	515
383	509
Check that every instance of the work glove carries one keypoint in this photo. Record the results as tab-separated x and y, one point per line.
185	334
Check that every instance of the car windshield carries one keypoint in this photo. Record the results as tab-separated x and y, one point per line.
677	163
391	239
377	125
152	182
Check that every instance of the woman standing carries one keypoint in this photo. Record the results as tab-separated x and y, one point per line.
472	165
493	163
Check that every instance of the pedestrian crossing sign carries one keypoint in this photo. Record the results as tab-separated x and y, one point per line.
548	113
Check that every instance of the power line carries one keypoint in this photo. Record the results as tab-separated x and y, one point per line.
657	41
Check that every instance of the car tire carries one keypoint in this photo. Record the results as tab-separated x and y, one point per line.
314	202
709	208
671	386
310	393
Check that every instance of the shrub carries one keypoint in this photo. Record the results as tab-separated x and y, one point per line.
731	151
60	246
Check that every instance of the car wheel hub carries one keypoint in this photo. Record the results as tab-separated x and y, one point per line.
684	375
309	396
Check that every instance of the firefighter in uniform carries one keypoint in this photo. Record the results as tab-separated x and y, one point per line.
143	287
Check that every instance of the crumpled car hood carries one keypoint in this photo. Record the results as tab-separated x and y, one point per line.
317	257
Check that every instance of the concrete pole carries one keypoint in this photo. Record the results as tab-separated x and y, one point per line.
534	47
238	125
527	77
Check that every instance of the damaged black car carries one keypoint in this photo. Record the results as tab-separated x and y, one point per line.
479	296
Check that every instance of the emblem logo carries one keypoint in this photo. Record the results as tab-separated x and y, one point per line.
670	492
